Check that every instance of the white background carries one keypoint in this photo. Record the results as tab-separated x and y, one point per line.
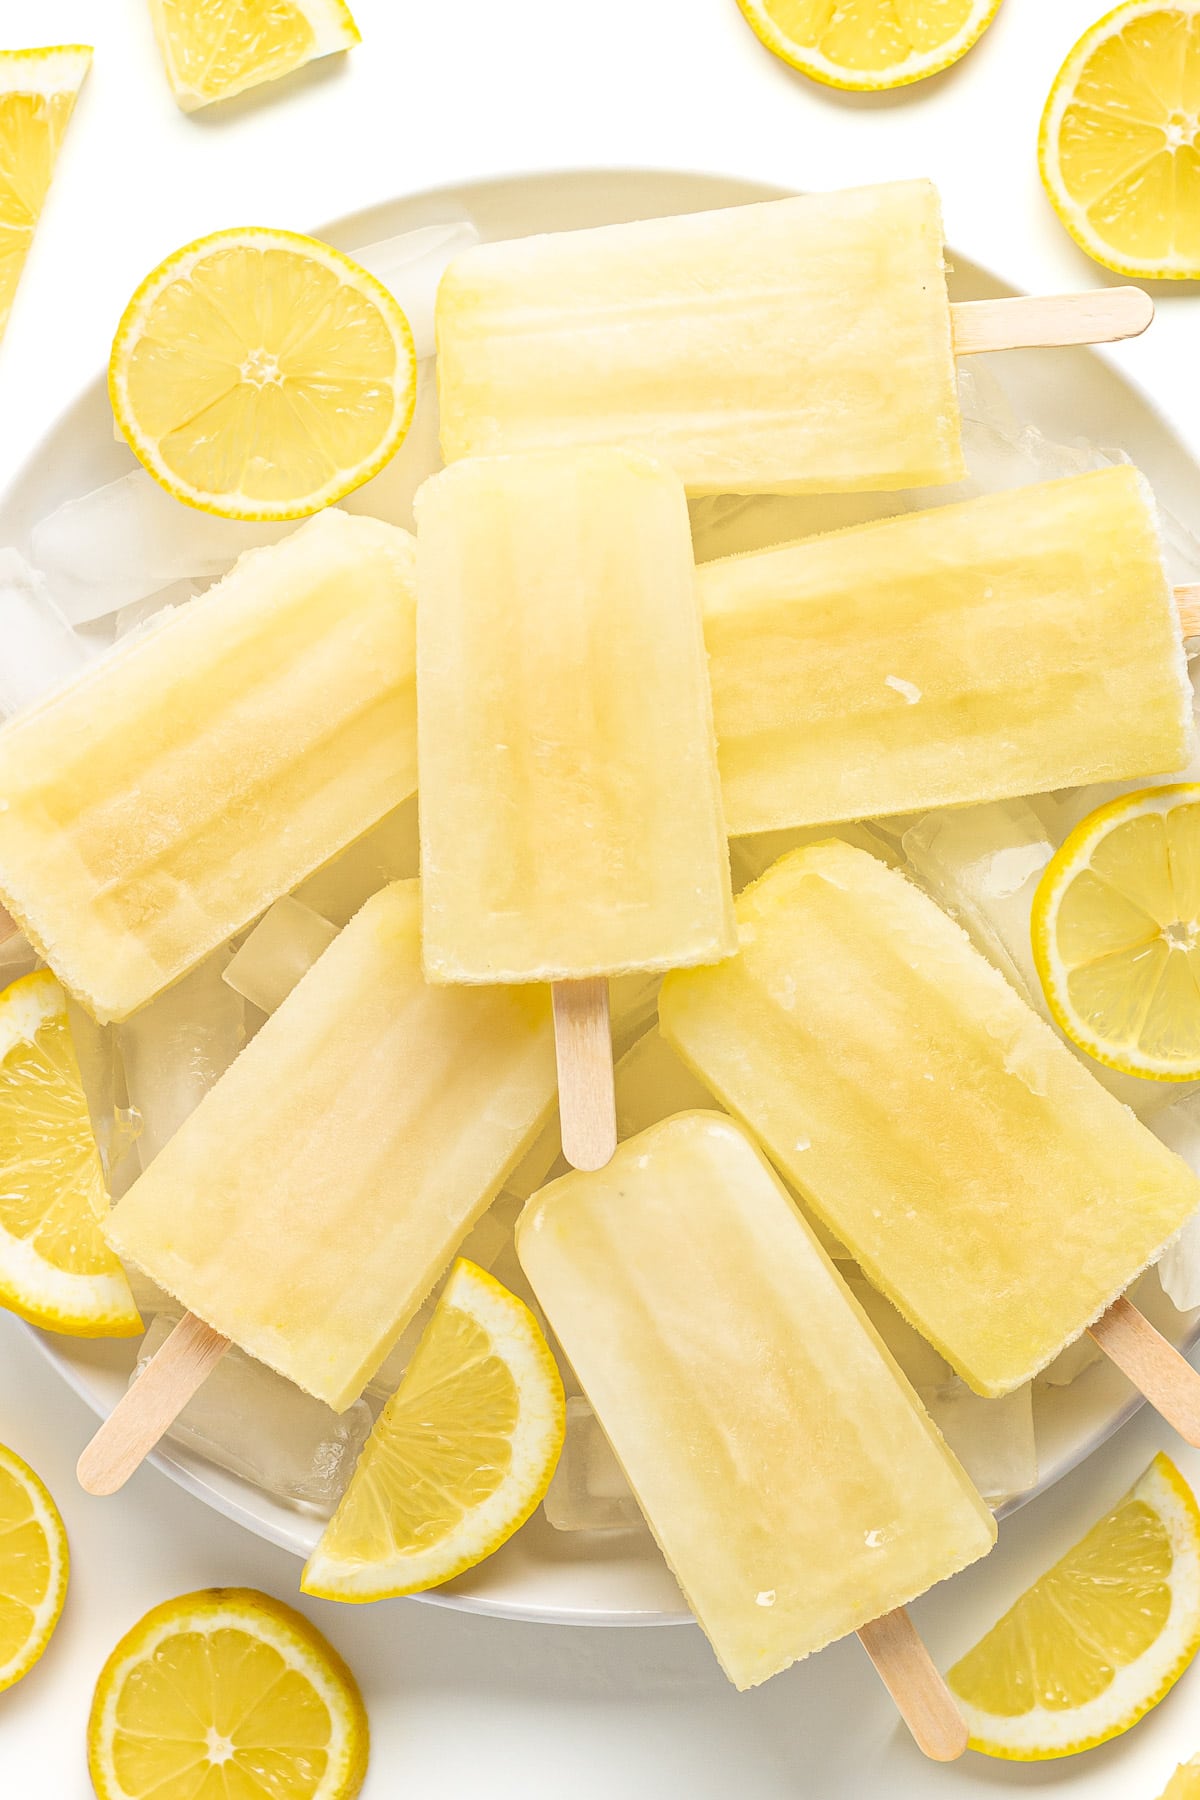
455	89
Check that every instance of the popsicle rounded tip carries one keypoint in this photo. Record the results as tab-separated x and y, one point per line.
97	1473
1136	308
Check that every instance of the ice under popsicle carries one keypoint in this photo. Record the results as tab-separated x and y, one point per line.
791	1477
1007	645
308	1205
985	1182
171	793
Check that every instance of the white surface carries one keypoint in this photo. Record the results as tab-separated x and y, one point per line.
461	1705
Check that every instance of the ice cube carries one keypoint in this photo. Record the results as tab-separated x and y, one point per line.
115	1126
412	264
174	1049
1070	1363
390	851
389	495
125	540
249	1420
652	1083
632	1005
992	1439
38	649
281	949
390	1373
145	615
589	1491
917	1357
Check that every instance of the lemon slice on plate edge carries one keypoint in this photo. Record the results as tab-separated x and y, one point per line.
869	45
34	1566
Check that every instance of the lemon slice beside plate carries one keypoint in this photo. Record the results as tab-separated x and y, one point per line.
214	49
34	1563
869	44
37	96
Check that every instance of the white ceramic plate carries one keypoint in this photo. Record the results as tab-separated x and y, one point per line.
619	1579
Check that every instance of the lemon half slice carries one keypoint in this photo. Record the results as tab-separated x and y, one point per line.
1119	148
869	44
262	375
1184	1783
460	1456
231	1695
1098	1641
1116	934
214	49
56	1270
34	1563
37	95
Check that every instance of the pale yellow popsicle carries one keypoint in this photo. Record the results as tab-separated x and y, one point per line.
986	1183
793	346
308	1205
1007	645
789	1473
187	780
571	818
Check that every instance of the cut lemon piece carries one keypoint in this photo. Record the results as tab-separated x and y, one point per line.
226	1695
1116	934
1184	1783
1119	148
460	1456
37	95
261	375
868	44
55	1268
214	49
34	1562
1098	1641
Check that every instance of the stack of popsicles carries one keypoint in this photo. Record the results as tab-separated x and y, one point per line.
590	717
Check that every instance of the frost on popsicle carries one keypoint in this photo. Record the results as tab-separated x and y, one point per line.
589	1492
38	648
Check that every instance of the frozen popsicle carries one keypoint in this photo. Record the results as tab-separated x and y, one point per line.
308	1205
166	797
790	1475
798	345
1007	645
985	1182
571	824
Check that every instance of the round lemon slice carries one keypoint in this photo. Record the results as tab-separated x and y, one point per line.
1098	1641
231	1695
459	1457
34	1563
1119	148
56	1270
869	44
261	375
1116	934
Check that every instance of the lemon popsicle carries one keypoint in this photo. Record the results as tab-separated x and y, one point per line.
985	1182
792	1479
180	785
1007	645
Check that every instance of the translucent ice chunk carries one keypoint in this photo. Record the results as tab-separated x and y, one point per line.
144	615
652	1083
633	1004
1070	1363
992	1439
389	495
129	538
249	1420
38	649
919	1360
281	949
589	1492
114	1125
175	1049
390	1373
412	264
390	851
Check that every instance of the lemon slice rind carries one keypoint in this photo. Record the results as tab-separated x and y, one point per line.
45	1514
914	67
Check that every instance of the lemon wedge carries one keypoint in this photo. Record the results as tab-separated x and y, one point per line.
1116	934
214	49
37	96
226	1693
869	44
1098	1641
1119	148
460	1456
1184	1783
261	375
34	1563
55	1268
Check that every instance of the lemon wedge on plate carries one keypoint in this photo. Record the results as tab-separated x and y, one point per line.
869	44
214	49
37	96
1120	140
262	375
33	1567
226	1695
56	1270
1116	934
1098	1641
460	1456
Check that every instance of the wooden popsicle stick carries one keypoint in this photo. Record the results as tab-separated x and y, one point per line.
1030	322
150	1406
908	1673
1187	599
1156	1368
586	1098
